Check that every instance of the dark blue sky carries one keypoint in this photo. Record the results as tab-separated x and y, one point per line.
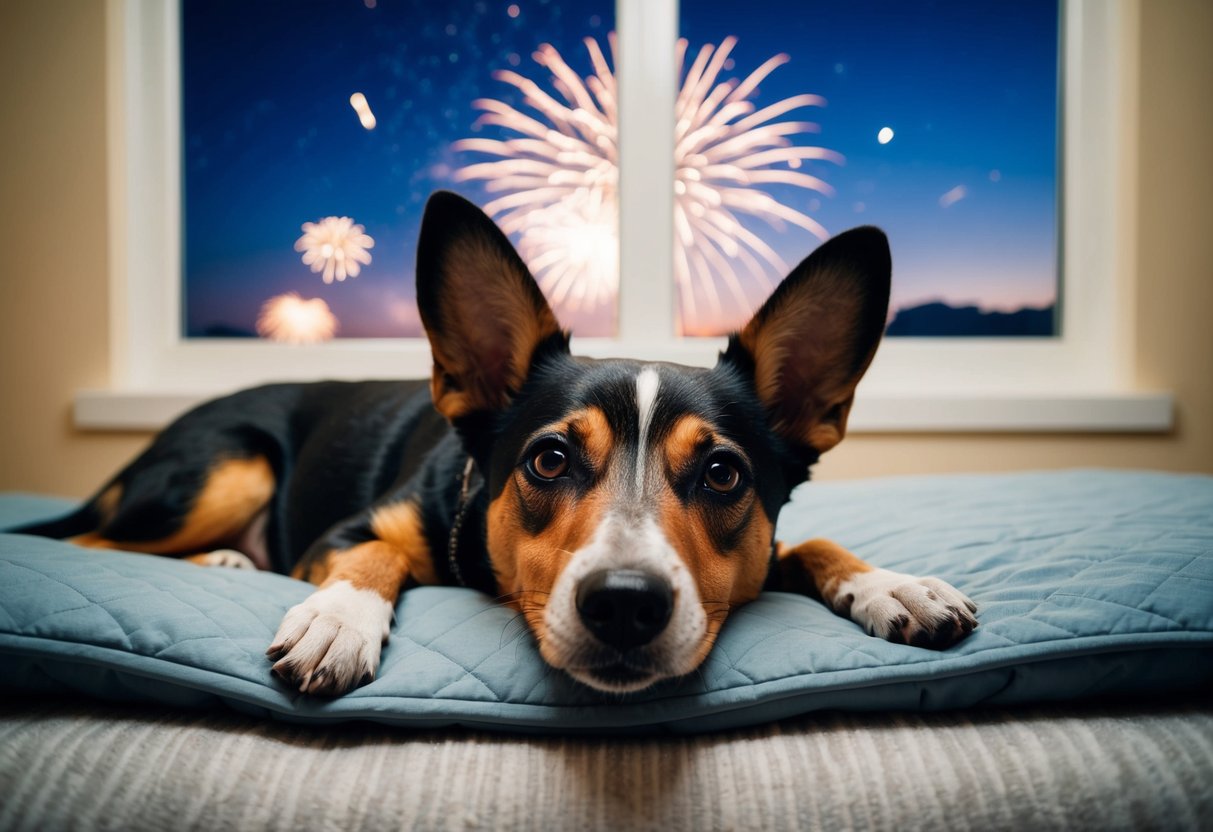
271	140
968	89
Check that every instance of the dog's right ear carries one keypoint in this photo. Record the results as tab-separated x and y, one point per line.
482	310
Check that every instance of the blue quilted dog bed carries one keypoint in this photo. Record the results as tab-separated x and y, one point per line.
1089	582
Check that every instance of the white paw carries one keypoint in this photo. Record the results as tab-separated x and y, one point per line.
229	558
924	612
330	643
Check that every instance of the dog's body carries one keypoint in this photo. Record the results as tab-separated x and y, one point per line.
622	507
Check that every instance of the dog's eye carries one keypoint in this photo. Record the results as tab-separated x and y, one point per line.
550	463
722	477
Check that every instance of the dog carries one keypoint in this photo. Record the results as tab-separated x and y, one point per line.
623	508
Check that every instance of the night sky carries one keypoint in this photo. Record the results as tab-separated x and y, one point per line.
270	139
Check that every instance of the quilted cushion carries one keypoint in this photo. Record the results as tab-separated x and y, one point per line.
1088	582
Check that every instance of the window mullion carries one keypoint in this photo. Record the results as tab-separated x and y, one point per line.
647	79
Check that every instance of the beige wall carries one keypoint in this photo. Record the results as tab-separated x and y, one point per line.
53	291
53	295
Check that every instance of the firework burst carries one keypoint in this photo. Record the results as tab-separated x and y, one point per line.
557	179
335	246
290	319
725	150
555	182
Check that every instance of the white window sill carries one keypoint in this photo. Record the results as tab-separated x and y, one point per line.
1020	412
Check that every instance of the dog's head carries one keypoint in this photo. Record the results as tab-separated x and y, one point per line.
633	505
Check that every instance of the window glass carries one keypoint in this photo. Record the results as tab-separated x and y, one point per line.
937	121
313	132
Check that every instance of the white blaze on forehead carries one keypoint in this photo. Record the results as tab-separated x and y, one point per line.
647	382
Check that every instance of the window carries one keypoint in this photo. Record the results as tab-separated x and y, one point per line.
345	115
976	383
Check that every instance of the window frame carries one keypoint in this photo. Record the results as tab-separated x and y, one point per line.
1079	380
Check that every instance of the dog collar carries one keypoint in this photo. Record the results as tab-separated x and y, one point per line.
461	510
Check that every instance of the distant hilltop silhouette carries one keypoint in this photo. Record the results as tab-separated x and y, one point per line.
223	331
932	320
928	320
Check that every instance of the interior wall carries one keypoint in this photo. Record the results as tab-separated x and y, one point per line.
53	286
53	291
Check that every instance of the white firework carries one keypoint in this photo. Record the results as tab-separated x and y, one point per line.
290	319
558	178
724	151
335	246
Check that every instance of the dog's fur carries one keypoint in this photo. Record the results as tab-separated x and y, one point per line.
623	508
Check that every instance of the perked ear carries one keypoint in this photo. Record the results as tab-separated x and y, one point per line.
814	338
482	310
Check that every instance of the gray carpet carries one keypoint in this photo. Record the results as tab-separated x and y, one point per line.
1110	766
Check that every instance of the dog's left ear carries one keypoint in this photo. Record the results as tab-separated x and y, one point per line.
811	342
482	310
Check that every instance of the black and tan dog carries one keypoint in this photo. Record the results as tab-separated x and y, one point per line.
624	508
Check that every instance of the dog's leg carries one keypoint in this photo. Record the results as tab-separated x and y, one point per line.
331	642
205	510
925	612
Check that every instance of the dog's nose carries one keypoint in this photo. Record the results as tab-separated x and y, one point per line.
624	607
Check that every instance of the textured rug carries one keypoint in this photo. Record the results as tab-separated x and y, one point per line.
1108	766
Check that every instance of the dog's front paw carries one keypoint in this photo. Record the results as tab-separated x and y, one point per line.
924	612
330	643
